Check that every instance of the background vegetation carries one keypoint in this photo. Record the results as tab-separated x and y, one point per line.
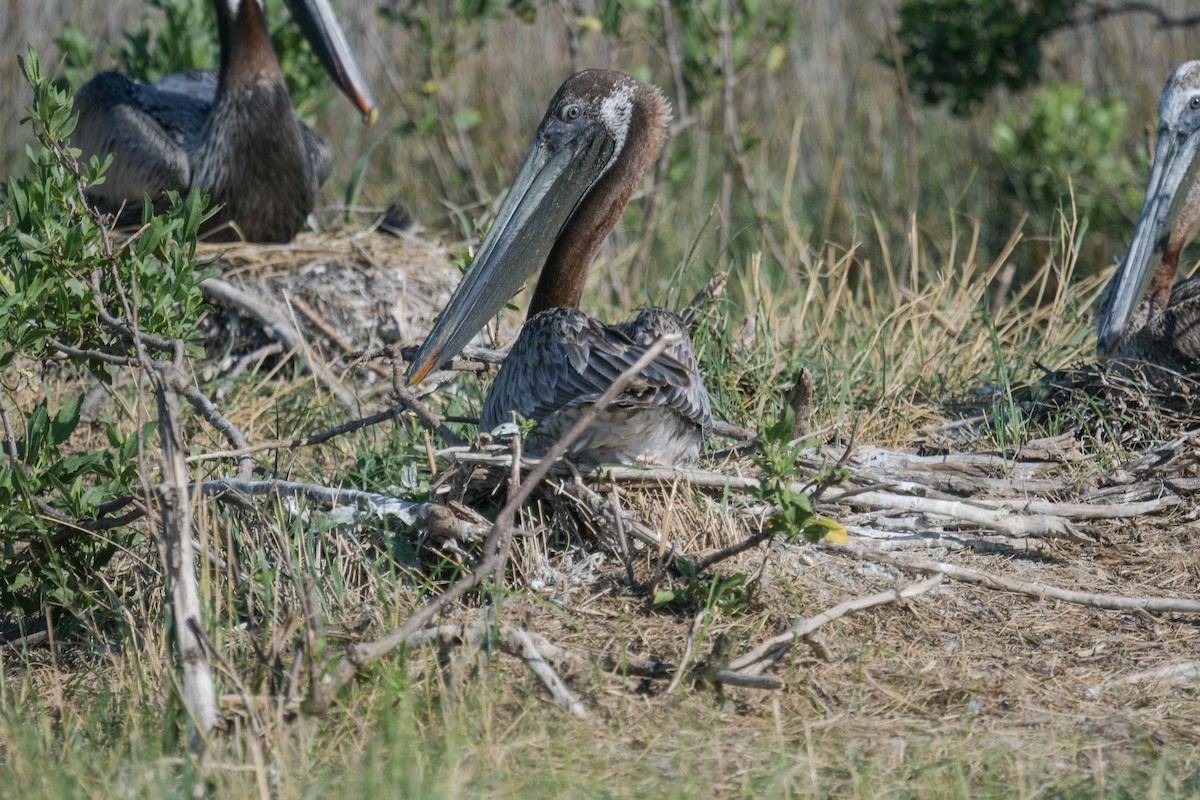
834	152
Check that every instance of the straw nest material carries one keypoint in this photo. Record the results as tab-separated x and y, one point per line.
323	296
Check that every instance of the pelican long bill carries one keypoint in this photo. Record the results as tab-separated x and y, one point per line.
552	180
320	27
1171	178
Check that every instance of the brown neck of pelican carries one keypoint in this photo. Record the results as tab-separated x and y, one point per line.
563	276
1186	226
247	57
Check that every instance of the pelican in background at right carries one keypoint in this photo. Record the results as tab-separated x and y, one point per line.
1144	314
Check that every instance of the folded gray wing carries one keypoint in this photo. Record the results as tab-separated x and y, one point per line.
563	357
149	130
1180	323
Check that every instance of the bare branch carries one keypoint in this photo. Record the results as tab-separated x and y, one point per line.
1041	591
422	412
775	647
231	432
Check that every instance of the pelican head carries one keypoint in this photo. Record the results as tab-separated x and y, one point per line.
599	134
1170	191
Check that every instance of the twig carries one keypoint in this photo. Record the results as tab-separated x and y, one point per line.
1041	591
745	680
305	441
775	647
534	660
614	503
91	355
1162	19
410	401
232	433
688	649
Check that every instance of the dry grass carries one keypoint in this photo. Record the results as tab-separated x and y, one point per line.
960	691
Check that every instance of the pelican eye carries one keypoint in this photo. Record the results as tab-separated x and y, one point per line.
572	112
1194	102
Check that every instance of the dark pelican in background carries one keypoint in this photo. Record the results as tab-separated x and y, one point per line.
601	132
1144	315
233	133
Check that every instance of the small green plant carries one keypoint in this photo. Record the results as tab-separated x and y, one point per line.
728	593
776	457
69	291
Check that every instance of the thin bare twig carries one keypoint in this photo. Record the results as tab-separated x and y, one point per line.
538	664
1041	591
774	648
305	441
422	412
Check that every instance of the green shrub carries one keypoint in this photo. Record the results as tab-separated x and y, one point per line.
1068	148
69	292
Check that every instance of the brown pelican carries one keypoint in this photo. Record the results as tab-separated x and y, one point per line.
1164	327
600	133
233	133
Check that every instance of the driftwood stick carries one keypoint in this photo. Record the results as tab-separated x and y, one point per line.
775	647
538	665
1041	591
996	519
745	680
199	695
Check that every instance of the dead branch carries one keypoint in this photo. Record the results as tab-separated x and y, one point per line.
777	646
1166	605
305	441
744	680
422	412
534	660
231	432
199	695
1001	520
